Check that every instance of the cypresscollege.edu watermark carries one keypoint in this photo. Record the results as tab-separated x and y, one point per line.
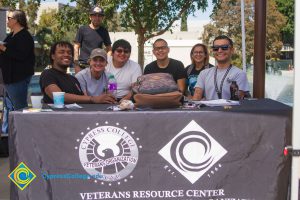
47	176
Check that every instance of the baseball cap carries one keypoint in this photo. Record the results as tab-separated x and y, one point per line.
96	10
98	53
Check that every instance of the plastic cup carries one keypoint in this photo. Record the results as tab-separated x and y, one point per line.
36	101
59	99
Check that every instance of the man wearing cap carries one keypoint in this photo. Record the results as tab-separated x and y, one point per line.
93	79
89	37
56	78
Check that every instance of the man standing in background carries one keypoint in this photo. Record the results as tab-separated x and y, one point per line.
90	37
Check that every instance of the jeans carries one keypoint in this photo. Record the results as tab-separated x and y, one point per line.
15	98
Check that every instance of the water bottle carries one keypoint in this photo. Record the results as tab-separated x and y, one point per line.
234	91
112	85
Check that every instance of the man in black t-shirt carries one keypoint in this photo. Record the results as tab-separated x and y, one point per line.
90	37
56	78
164	64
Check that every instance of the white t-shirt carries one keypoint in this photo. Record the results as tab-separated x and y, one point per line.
90	85
125	76
206	82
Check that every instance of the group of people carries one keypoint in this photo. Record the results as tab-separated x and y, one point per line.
93	66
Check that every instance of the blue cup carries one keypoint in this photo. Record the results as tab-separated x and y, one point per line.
59	99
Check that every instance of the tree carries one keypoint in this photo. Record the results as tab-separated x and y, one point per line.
287	8
153	18
31	9
226	19
49	32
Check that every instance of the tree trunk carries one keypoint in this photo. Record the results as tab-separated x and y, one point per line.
184	26
141	43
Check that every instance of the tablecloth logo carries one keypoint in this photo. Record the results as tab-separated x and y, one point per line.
192	152
22	176
110	151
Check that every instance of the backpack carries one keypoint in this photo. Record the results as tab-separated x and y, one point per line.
157	90
156	83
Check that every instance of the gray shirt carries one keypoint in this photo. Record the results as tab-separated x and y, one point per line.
90	85
205	81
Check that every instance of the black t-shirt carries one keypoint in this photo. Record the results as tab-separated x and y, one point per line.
175	68
66	82
90	39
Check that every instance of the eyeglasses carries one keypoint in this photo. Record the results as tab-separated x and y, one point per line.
223	47
198	53
125	51
160	48
9	18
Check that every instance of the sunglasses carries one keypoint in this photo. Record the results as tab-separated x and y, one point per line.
9	18
125	51
223	47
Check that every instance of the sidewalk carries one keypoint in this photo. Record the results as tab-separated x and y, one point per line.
4	181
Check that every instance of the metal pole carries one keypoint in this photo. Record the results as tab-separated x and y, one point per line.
243	34
296	112
259	49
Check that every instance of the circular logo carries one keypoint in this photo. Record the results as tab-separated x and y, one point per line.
195	142
109	151
22	176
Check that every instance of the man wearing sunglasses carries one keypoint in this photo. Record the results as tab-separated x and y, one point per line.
214	83
124	70
90	37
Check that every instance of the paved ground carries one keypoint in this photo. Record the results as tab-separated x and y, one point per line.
4	181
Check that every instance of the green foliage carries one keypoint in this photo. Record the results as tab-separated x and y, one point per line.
227	20
287	8
31	10
49	31
8	3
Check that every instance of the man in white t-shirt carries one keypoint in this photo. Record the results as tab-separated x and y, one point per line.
124	70
214	83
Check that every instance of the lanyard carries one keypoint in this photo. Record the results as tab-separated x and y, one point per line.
219	92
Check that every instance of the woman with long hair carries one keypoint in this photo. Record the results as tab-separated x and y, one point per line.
199	58
17	63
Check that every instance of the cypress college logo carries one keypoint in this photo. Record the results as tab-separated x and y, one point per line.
108	150
192	152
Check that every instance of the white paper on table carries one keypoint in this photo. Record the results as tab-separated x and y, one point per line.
72	106
218	102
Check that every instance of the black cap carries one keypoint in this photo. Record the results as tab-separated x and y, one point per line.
97	10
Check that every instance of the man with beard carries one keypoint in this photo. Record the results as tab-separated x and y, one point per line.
56	78
90	37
